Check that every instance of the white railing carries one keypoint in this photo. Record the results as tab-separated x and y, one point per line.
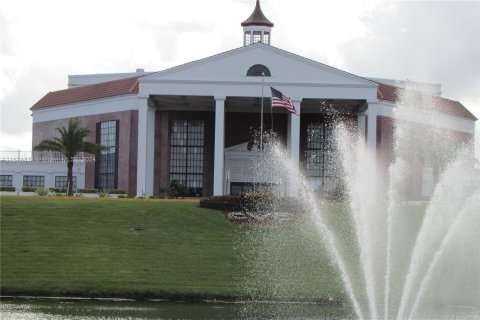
41	156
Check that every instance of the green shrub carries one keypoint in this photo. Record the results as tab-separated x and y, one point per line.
126	196
103	193
110	191
87	190
176	189
58	191
28	189
41	191
116	191
7	188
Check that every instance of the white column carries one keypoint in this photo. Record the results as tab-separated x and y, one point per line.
361	122
372	129
218	163
293	135
146	146
293	143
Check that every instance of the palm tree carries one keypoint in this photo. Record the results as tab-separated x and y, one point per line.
69	144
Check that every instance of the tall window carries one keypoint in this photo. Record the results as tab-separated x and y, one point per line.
248	38
257	36
186	155
61	182
320	156
266	37
6	180
107	160
34	181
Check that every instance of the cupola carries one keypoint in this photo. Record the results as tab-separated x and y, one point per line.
257	28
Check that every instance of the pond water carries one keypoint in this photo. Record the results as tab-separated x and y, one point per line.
48	309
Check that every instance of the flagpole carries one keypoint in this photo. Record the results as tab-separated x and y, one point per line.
261	116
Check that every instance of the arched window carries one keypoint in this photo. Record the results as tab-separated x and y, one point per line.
258	70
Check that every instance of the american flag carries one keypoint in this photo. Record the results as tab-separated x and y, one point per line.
281	101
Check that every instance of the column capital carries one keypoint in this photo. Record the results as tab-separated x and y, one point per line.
144	100
296	99
220	98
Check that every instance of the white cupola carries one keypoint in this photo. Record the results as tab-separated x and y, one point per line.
257	28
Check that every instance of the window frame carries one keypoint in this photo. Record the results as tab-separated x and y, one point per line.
106	164
320	154
6	180
257	36
64	186
187	155
30	181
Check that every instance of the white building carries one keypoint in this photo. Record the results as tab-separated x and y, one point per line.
187	122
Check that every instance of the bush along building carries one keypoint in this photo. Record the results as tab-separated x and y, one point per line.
189	126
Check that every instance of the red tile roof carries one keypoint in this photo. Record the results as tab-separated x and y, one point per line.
391	93
89	92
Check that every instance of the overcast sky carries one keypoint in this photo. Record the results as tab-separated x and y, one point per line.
44	41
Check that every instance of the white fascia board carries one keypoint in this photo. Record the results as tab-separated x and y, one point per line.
432	118
257	28
86	108
254	89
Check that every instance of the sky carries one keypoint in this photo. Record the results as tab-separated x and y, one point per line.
42	42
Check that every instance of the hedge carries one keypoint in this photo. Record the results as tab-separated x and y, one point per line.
110	191
7	188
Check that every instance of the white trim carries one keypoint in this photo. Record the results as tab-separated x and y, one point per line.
249	81
86	108
250	89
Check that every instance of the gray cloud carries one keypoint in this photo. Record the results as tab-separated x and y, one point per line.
425	41
30	86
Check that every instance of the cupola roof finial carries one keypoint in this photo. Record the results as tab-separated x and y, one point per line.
257	18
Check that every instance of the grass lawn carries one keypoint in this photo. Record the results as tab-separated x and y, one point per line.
150	249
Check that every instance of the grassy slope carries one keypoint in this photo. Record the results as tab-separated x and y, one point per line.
89	247
54	246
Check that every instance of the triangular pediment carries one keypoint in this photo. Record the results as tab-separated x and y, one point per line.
285	67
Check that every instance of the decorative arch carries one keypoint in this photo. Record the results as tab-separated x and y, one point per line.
257	70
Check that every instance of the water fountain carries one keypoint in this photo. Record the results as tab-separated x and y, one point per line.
400	259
